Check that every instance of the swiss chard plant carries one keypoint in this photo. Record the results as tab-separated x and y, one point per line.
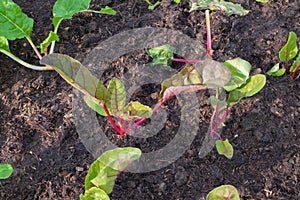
223	192
287	53
17	25
234	78
5	171
105	170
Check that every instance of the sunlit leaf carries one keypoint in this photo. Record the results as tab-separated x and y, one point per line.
14	23
77	75
223	192
263	1
276	71
215	74
5	171
290	49
116	99
228	7
224	148
94	193
296	64
137	110
51	37
162	55
94	105
108	11
104	171
177	1
240	70
4	43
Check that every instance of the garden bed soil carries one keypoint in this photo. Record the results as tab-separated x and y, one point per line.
38	136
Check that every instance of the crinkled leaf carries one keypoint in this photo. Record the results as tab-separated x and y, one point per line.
224	148
215	74
14	23
104	171
296	64
229	7
5	171
51	37
116	99
137	110
77	75
254	85
108	11
290	49
94	193
223	192
276	71
4	43
161	55
240	70
93	104
188	79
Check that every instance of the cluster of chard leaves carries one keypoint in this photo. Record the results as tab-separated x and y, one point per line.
223	192
105	170
17	25
232	75
5	171
287	53
107	101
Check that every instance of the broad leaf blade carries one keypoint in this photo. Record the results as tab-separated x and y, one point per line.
116	99
224	148
14	23
67	8
240	70
215	74
51	37
276	71
77	75
5	171
228	7
94	193
162	55
290	49
223	192
296	64
137	110
104	171
94	104
108	11
4	43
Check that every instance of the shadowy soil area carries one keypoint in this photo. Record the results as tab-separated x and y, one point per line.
38	135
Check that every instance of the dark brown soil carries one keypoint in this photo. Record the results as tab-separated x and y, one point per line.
38	136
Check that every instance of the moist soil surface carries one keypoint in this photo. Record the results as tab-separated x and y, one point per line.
38	134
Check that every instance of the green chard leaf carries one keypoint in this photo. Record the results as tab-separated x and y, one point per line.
240	70
76	75
94	105
116	99
14	23
290	49
104	171
51	37
177	1
229	7
4	43
223	192
276	71
296	64
137	110
224	148
108	11
94	193
263	1
5	171
162	55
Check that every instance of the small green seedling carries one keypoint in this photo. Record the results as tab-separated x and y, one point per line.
152	6
5	171
288	52
105	170
263	1
207	5
17	25
223	192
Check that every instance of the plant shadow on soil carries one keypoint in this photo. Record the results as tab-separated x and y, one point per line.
38	135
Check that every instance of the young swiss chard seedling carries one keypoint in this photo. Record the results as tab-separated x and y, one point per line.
239	85
223	192
17	25
5	171
105	170
287	53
